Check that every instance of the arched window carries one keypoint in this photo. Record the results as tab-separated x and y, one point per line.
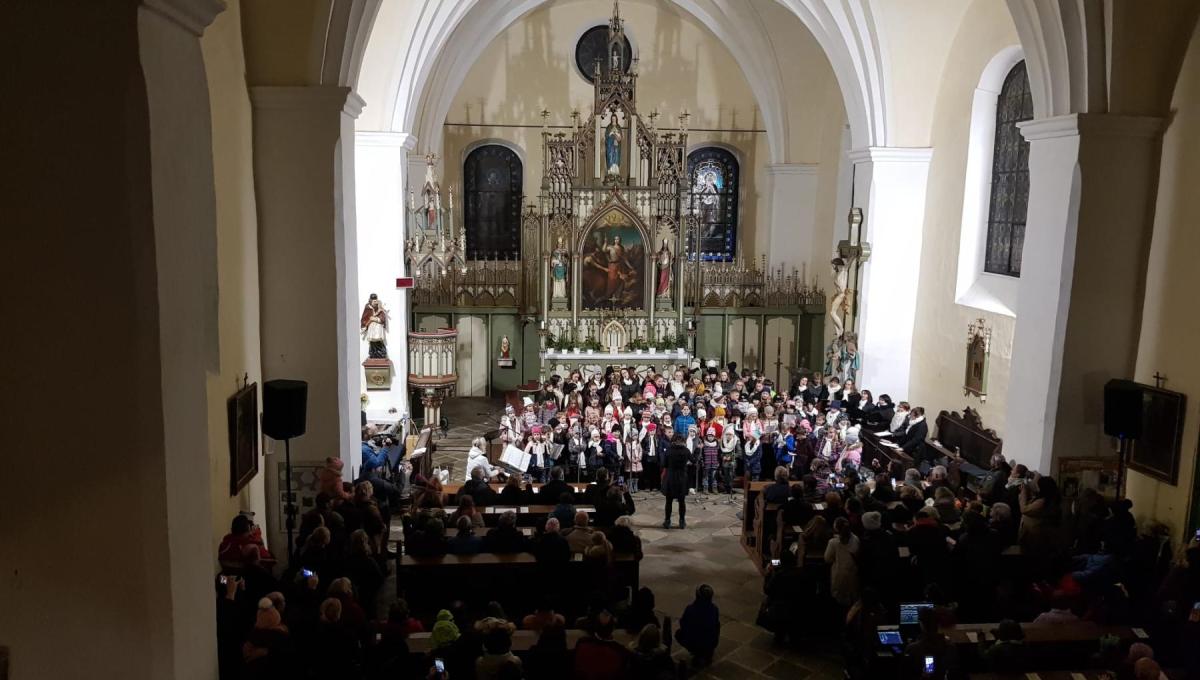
1010	176
492	176
713	175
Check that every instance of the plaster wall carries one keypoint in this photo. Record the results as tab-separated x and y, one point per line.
112	578
237	258
916	38
530	67
940	335
287	40
1170	329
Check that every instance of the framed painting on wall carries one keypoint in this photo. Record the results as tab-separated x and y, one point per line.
1077	474
979	338
243	437
1156	452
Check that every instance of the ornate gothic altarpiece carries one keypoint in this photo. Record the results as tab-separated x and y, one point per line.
608	267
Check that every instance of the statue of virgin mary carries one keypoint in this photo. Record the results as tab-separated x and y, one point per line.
612	147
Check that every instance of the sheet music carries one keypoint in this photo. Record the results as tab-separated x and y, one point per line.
515	458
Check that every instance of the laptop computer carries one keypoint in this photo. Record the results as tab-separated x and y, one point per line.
910	623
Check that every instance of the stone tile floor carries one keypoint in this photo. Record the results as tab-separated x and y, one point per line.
676	562
708	551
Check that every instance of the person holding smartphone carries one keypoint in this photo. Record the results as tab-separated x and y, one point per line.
931	655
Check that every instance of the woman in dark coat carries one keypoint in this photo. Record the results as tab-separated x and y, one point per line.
675	479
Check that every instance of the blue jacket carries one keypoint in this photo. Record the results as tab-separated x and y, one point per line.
372	459
682	423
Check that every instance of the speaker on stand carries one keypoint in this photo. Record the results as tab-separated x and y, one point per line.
1123	417
285	403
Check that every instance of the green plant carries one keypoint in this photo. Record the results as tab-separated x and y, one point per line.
592	344
638	343
667	341
554	342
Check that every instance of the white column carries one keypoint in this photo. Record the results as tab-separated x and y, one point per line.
793	213
889	186
177	483
382	178
1092	183
308	284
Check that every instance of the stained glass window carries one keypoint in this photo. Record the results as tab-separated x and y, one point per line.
492	180
713	176
1010	177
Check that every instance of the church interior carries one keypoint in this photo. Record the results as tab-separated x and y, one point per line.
399	322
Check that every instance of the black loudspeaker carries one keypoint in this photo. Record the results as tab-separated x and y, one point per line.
284	405
1123	409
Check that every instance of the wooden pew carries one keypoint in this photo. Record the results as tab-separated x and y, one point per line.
875	450
452	489
749	506
527	515
511	578
522	640
1045	675
422	456
967	444
1057	646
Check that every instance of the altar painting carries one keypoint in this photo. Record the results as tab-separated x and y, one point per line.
613	276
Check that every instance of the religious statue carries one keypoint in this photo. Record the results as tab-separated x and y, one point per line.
833	358
374	326
505	348
839	304
663	261
560	261
612	146
431	194
850	359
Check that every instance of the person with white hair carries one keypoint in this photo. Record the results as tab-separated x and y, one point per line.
477	458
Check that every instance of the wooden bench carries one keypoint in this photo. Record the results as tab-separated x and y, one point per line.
1053	647
429	583
967	444
452	489
422	454
522	640
880	455
527	515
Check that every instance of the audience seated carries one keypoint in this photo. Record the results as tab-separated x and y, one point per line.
640	612
579	537
550	548
649	659
867	543
597	656
930	643
781	490
465	542
506	537
497	648
556	487
624	539
549	658
478	489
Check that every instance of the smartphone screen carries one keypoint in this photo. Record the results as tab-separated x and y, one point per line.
775	563
929	665
224	579
308	573
439	665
